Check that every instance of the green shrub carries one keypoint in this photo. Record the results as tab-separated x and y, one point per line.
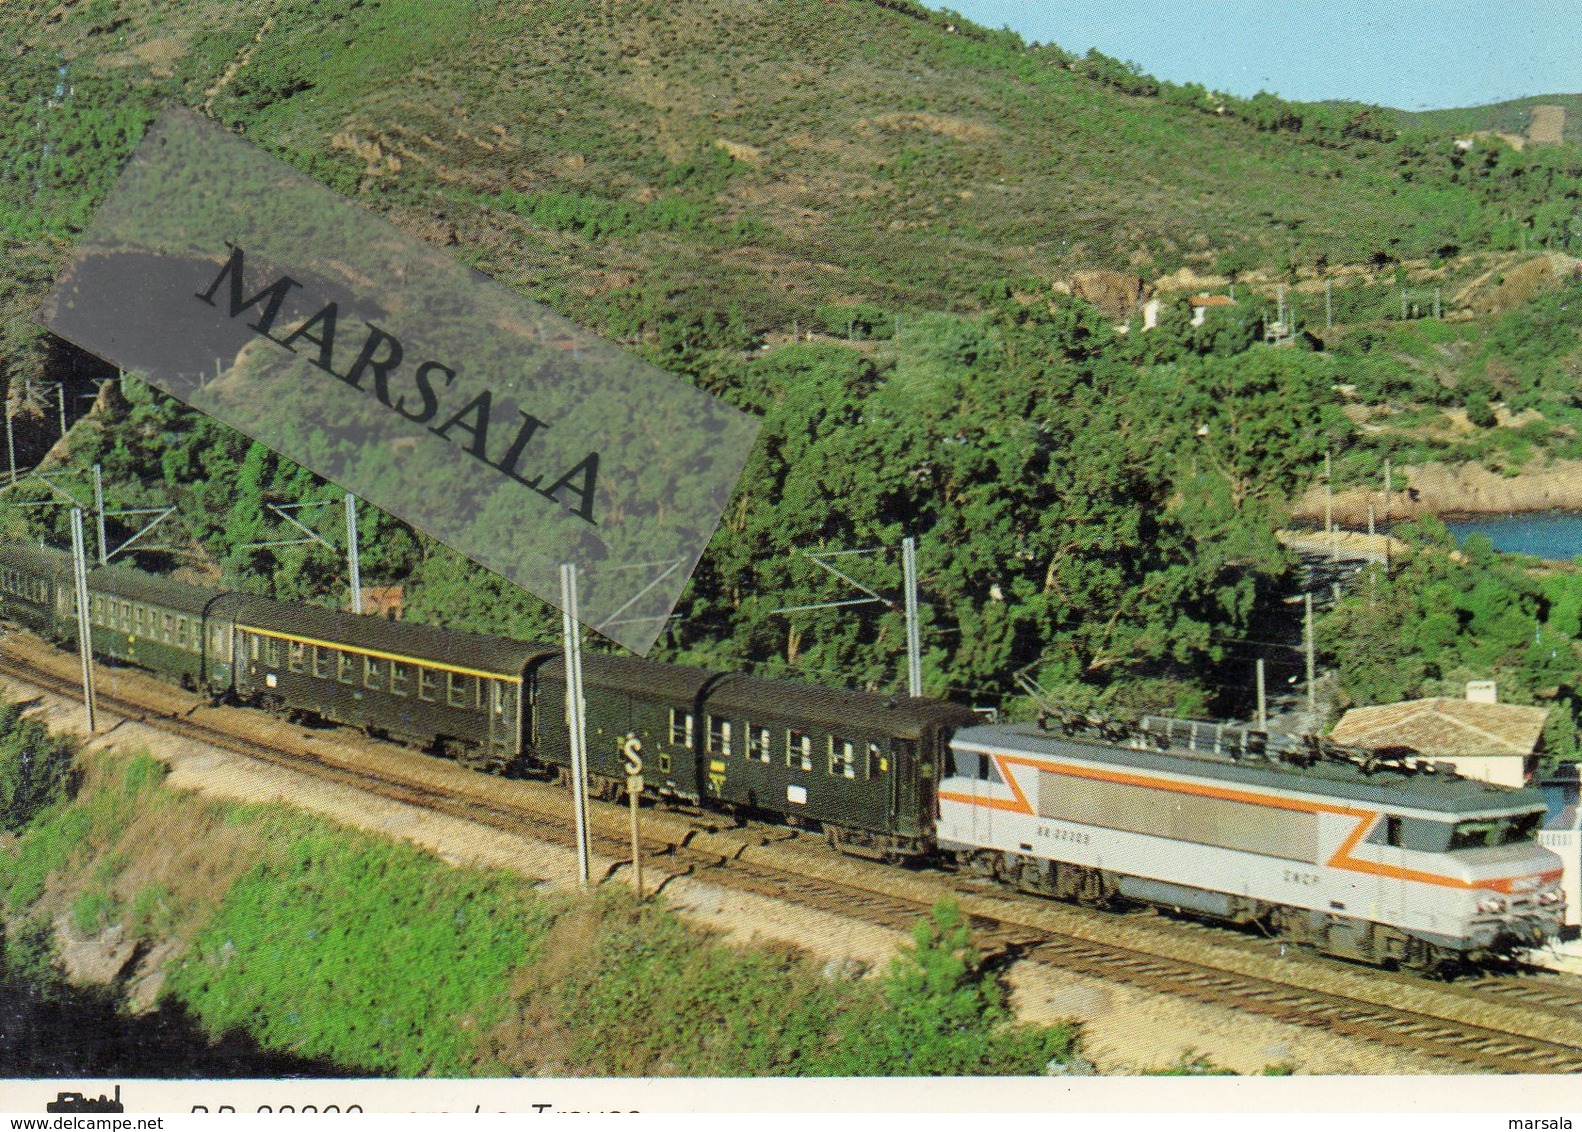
93	911
366	954
35	768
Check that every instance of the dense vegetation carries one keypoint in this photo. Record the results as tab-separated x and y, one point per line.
700	181
1439	620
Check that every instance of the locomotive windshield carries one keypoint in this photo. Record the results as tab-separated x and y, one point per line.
1495	831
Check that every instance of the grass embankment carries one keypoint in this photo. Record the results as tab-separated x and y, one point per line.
313	942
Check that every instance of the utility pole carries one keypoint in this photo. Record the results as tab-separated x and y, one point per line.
79	561
576	716
914	636
1389	483
1436	304
351	553
98	511
10	436
1370	518
910	603
1329	501
1329	493
1263	700
1329	307
60	396
1307	634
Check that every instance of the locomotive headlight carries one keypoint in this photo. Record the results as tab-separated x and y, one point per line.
1551	896
1491	904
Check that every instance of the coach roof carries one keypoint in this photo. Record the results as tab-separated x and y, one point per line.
151	589
1385	786
38	561
756	698
447	648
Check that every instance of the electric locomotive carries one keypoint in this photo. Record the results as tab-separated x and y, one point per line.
1385	862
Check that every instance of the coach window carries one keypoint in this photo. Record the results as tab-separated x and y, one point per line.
758	743
400	678
799	750
126	615
877	763
1392	830
719	737
323	658
138	621
373	673
181	633
346	668
461	691
680	727
842	758
252	645
167	627
272	652
297	657
427	684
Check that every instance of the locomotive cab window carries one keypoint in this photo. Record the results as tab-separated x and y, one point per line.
842	758
799	750
1491	832
988	769
758	743
680	728
719	737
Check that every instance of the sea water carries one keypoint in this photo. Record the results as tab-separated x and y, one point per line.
1555	535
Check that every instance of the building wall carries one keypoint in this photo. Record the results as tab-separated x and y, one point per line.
1505	770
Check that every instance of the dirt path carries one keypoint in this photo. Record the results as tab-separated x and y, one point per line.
1548	125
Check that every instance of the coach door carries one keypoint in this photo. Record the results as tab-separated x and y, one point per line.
503	721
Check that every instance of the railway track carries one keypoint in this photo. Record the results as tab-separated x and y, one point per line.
1457	1044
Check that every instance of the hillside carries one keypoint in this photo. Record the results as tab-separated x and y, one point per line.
1515	118
776	157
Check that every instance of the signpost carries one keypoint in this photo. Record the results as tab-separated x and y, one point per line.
634	791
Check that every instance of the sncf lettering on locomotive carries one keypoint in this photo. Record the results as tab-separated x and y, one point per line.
475	426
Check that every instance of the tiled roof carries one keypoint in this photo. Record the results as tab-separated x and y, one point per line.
1444	727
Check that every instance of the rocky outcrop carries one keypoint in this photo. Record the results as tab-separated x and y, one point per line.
1449	490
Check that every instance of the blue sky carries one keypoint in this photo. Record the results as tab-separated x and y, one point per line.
1412	54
